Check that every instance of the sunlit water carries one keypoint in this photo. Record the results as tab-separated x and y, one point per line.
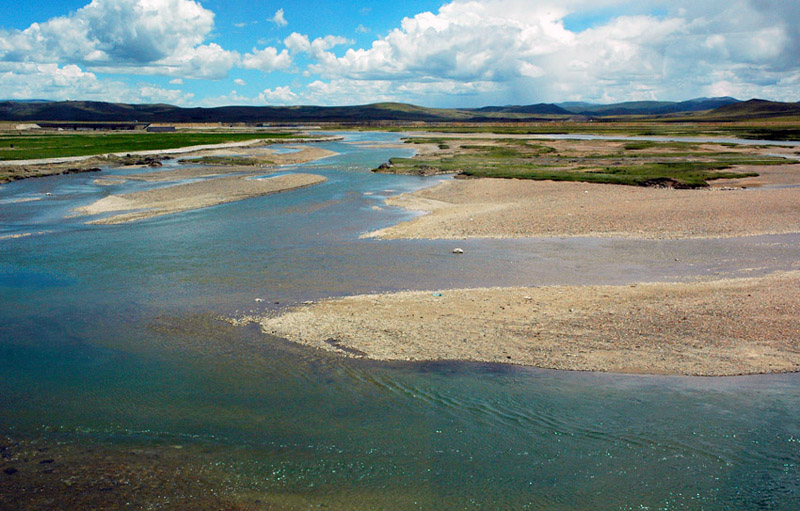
110	333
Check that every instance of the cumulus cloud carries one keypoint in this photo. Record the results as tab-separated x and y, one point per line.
22	80
240	82
268	59
525	49
468	52
138	36
279	95
279	19
318	48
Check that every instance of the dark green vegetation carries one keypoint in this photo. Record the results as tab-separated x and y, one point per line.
24	147
753	131
673	164
236	161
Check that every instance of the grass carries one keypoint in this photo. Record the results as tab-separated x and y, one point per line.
789	130
677	175
24	147
234	161
675	165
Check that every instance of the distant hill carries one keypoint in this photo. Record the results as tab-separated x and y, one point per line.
94	111
647	107
540	109
91	111
755	109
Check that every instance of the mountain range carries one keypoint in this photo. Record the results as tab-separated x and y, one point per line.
724	108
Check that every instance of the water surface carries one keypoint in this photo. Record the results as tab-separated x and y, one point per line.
109	334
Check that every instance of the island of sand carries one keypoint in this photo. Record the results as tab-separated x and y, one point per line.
218	184
765	200
718	327
190	196
708	327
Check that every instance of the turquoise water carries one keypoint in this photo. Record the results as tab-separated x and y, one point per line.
109	333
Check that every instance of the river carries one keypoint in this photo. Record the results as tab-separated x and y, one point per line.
109	335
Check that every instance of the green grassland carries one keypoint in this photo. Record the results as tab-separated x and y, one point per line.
24	147
789	131
674	164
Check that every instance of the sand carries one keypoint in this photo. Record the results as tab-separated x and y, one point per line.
184	197
173	175
507	208
722	327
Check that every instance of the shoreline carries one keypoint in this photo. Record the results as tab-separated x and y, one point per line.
721	327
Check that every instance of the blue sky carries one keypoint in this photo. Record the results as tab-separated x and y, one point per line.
458	53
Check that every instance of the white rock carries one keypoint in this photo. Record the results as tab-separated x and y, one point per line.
458	250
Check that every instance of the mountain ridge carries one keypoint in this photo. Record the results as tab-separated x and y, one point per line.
97	111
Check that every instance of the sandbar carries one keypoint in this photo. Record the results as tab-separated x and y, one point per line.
189	196
709	328
509	208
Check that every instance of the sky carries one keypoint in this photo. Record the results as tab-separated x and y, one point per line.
463	53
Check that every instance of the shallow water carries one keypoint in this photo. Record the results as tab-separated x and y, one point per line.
108	334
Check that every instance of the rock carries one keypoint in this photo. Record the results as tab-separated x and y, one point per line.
458	250
259	300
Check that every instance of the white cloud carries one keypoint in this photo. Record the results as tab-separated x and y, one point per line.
468	52
279	95
268	59
279	19
318	48
22	80
240	82
134	36
525	50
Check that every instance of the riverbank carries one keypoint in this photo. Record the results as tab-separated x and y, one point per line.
12	170
705	328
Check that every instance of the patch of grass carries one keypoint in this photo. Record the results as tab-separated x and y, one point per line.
677	175
23	147
234	161
789	131
638	145
680	168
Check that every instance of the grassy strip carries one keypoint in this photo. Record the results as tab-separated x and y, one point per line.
676	167
234	161
789	132
677	175
24	147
